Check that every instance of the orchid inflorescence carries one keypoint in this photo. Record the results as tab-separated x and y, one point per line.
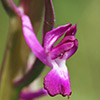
57	81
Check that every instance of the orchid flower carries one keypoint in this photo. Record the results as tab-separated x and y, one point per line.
57	81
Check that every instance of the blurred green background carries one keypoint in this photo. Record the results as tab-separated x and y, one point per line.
84	66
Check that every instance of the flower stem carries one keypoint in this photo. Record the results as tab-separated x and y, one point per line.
10	66
5	56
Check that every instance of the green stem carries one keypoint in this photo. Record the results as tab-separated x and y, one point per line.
5	55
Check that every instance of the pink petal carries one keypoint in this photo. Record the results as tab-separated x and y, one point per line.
52	36
66	39
59	51
72	30
57	81
69	53
33	95
32	41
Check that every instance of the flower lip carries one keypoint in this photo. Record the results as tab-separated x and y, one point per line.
58	82
63	94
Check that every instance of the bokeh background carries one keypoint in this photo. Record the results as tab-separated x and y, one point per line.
84	66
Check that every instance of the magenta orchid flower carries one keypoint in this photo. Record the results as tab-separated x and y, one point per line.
57	81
